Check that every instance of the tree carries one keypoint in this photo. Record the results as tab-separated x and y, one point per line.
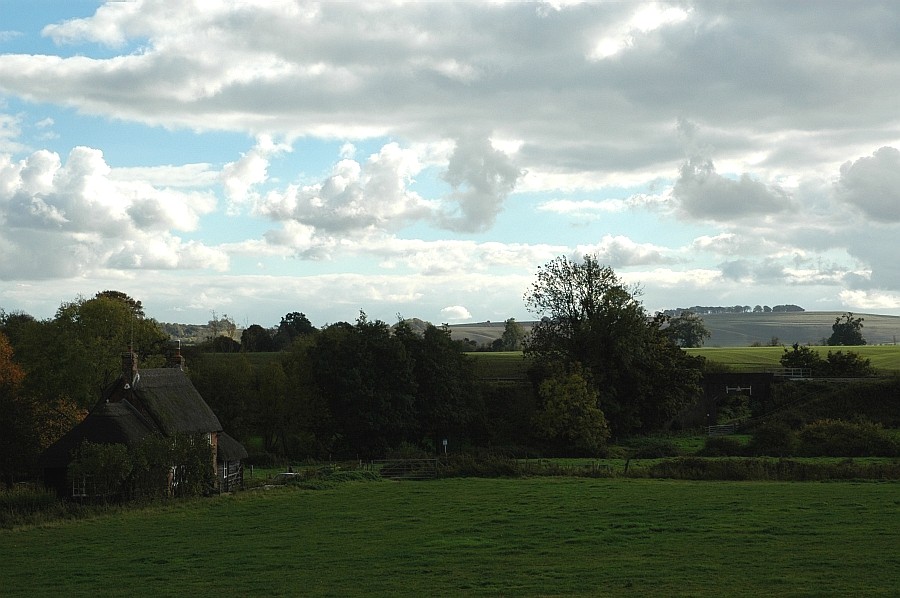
849	365
590	319
292	326
512	337
447	402
18	436
77	354
687	330
366	377
223	326
256	339
847	331
802	357
569	415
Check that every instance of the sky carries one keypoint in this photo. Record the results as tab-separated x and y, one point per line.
254	158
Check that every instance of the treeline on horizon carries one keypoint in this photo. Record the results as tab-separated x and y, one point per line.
705	310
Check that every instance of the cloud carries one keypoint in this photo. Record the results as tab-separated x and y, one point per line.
872	184
10	131
482	178
68	219
702	193
355	197
455	313
619	251
240	177
414	71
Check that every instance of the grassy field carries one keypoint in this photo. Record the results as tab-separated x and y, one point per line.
522	537
885	359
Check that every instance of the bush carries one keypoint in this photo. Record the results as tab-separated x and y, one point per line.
837	438
653	448
24	503
722	446
692	468
775	439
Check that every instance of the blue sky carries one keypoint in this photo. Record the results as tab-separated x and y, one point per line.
424	159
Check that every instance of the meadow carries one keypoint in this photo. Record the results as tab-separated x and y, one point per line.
521	537
885	359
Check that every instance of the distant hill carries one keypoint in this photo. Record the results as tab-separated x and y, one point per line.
807	327
742	329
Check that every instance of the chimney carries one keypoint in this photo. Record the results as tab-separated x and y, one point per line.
129	367
177	360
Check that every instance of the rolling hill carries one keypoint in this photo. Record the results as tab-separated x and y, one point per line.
742	330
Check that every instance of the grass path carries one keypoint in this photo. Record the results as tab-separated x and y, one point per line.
539	536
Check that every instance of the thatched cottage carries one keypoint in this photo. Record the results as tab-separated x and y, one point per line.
139	403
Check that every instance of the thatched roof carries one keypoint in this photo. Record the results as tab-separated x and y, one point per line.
230	449
167	396
108	423
161	401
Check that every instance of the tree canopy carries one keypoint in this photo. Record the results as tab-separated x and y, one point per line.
847	331
591	320
687	330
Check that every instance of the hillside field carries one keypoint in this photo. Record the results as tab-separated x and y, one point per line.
742	330
479	537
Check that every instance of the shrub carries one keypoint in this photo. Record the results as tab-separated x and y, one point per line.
837	438
722	446
692	468
775	439
653	448
24	503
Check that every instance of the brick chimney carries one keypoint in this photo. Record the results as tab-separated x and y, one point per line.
177	360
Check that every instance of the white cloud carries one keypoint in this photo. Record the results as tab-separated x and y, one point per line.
455	314
74	217
647	18
871	300
240	177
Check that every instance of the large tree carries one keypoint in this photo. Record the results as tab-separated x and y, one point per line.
512	337
591	320
74	355
847	331
687	330
293	325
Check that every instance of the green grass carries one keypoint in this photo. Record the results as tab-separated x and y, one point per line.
884	358
499	365
523	537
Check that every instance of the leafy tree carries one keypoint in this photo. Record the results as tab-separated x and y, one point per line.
803	357
75	355
847	331
136	307
223	326
687	330
447	400
837	364
292	326
848	365
366	377
591	319
222	344
256	339
512	337
18	434
569	415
